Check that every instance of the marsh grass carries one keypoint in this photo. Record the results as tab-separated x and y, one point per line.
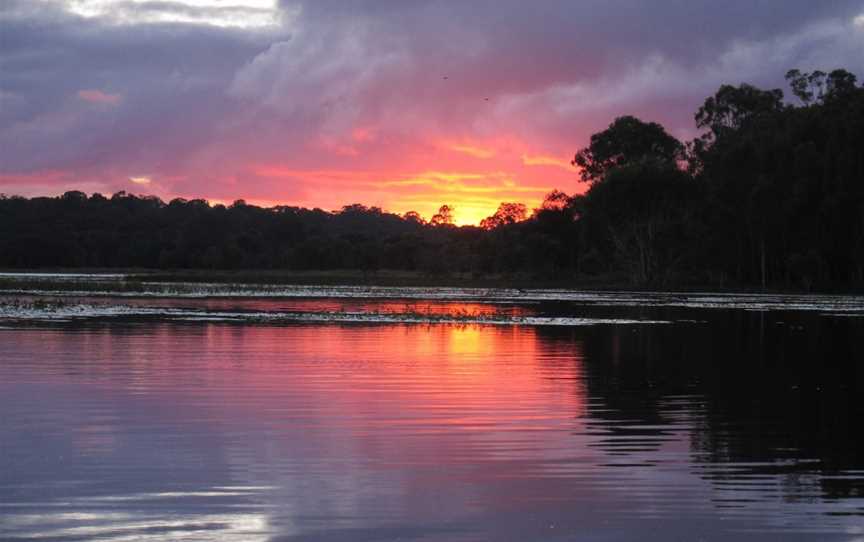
28	308
148	281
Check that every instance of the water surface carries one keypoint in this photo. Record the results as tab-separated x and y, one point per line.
427	419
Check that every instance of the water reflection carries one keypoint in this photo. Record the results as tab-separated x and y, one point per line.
737	426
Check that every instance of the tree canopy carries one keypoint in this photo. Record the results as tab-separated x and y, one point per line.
507	213
627	140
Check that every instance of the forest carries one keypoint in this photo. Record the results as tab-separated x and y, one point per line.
770	195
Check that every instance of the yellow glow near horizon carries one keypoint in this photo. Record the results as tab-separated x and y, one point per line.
473	195
470	150
471	215
465	212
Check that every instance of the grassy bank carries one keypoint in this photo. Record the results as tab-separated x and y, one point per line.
134	280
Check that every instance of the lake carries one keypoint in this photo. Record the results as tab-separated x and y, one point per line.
186	412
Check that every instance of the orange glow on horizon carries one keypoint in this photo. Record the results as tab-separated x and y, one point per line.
472	179
467	212
473	196
471	176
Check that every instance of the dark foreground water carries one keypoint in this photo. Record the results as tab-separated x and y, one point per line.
614	422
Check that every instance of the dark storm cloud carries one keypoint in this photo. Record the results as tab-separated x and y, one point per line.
170	79
564	31
591	50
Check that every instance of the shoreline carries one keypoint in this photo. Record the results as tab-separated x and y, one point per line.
130	277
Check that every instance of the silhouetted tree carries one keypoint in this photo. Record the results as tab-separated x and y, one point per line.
444	216
819	86
626	141
507	213
414	216
555	200
639	217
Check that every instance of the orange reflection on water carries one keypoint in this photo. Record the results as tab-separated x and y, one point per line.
320	413
436	369
407	307
468	340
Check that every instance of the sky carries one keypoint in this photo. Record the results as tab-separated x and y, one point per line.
400	104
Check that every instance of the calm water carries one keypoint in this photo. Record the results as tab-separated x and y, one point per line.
195	424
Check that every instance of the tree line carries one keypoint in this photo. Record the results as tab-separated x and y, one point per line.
771	194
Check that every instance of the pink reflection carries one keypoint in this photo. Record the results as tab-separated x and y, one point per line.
469	389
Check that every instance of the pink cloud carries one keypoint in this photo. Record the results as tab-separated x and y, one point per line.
96	96
470	150
46	177
363	134
542	160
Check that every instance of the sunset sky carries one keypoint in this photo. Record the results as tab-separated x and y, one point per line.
395	103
